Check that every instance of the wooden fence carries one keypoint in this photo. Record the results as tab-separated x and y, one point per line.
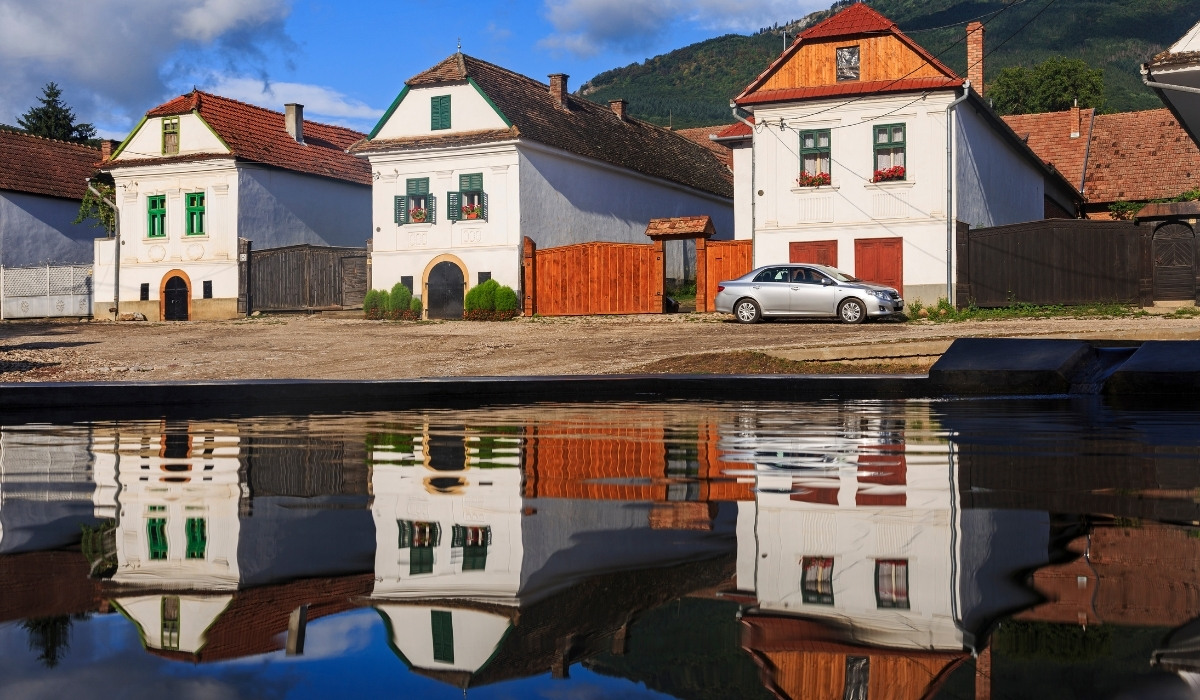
1055	261
306	277
593	278
717	261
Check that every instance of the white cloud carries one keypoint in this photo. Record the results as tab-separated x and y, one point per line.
589	27
108	55
320	103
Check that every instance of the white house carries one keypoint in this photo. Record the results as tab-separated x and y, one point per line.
201	172
471	158
866	150
41	184
1175	75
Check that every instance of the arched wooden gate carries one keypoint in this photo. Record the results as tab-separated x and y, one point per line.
1174	251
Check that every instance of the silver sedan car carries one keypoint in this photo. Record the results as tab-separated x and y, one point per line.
805	290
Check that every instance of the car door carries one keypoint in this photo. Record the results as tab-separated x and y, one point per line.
773	290
813	293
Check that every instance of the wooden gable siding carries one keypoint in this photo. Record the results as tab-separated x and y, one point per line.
821	675
879	58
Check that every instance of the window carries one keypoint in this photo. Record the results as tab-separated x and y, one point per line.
156	216
170	136
891	584
858	678
417	206
889	152
195	214
474	541
439	112
814	158
442	622
816	580
170	623
847	63
144	292
208	289
470	201
774	274
484	277
420	539
197	537
156	533
407	281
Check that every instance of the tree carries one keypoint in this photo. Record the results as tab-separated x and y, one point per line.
1051	86
95	208
55	120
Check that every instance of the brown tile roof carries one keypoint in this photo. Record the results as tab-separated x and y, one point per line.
38	165
462	138
1049	135
584	128
735	130
258	135
702	135
680	226
1139	156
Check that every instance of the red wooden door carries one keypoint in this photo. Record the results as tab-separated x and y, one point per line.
819	252
880	260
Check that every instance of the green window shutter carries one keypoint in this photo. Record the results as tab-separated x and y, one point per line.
423	185
443	635
439	112
406	533
475	557
400	204
420	560
197	538
412	186
432	207
472	182
454	206
458	536
156	533
483	201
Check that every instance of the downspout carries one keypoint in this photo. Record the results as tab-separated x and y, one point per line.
950	190
753	192
116	249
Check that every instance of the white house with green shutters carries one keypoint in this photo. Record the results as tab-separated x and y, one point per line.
471	158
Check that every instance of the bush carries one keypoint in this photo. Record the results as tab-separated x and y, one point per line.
374	304
481	297
506	299
414	306
400	298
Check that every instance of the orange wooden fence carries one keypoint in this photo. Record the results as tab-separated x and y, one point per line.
593	278
717	261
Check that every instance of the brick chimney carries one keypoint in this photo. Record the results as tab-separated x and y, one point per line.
975	56
558	88
618	108
107	146
1076	120
293	119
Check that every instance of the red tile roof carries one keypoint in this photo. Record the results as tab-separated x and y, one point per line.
873	87
583	128
702	135
259	135
680	226
856	20
1140	155
1049	135
735	130
38	165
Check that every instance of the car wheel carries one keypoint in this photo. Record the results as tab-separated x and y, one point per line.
852	311
747	311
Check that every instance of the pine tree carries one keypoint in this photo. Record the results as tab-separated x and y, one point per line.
55	120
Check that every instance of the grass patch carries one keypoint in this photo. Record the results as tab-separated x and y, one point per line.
944	312
751	362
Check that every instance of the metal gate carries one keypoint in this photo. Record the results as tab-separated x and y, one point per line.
47	291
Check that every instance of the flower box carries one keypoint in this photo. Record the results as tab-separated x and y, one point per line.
472	211
896	172
418	216
815	180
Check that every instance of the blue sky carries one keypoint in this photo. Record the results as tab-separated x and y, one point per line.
345	61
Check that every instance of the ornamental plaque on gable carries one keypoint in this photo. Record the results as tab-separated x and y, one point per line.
847	63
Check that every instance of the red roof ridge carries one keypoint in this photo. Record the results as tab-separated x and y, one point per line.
21	132
159	111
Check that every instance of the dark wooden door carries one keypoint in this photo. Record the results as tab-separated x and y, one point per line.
819	252
175	300
445	291
880	260
1174	263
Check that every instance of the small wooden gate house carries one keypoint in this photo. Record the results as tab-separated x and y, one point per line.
201	172
472	158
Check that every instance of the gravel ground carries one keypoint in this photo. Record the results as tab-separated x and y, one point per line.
342	347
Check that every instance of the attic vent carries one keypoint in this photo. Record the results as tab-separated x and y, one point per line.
847	63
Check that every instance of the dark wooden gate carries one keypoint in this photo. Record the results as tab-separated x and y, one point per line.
445	290
307	278
175	300
1174	262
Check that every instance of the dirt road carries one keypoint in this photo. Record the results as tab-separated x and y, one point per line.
328	347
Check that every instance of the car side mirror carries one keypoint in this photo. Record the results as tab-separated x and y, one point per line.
827	282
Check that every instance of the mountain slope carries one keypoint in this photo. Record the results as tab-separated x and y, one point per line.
692	86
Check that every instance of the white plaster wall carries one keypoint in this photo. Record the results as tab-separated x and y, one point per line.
196	615
194	137
279	208
743	188
483	246
469	111
35	230
994	184
45	488
476	636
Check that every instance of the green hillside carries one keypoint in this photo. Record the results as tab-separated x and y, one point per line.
692	86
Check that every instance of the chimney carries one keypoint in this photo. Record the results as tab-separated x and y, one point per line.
1076	120
293	119
106	148
618	108
558	88
975	56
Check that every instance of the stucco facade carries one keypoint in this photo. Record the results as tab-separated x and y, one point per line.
37	230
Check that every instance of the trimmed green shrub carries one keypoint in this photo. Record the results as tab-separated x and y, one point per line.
482	297
374	304
506	299
414	306
400	298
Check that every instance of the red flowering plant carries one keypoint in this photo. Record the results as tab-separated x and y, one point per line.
472	211
814	180
896	172
418	215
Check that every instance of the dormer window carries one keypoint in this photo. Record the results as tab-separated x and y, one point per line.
847	63
439	112
170	136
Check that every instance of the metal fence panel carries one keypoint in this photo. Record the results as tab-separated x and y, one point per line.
47	291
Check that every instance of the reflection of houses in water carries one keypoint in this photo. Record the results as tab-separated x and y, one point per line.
860	573
213	530
45	487
483	575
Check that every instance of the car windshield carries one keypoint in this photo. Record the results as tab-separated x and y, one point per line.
839	275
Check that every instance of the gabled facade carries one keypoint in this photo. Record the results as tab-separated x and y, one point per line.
866	151
200	173
471	158
1175	75
41	186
